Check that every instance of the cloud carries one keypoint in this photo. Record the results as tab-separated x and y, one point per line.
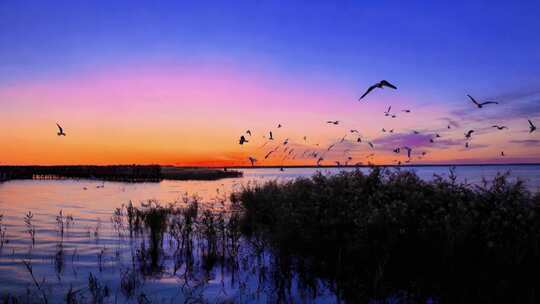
451	122
527	142
421	140
512	105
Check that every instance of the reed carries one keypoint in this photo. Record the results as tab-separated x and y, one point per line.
379	234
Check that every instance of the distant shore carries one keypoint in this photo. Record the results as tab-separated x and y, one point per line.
124	173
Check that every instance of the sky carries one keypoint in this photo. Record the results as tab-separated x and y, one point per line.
178	82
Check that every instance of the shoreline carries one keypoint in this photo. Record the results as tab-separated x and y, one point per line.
123	173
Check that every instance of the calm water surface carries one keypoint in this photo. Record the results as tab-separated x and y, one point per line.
90	236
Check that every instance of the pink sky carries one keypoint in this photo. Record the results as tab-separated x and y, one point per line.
194	115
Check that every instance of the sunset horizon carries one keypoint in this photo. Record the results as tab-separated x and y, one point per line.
141	86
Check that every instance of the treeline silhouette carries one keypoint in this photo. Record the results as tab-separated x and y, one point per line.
125	173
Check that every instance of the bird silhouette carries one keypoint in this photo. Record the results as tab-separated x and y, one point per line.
481	104
319	161
499	127
397	150
416	132
406	111
449	127
469	133
370	144
437	135
338	163
286	141
252	160
271	136
279	126
335	122
243	140
388	111
466	144
379	85
60	130
354	131
330	147
391	131
359	139
532	127
502	153
383	129
268	154
248	132
409	150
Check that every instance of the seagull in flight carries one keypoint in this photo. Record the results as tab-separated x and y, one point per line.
279	126
499	127
252	160
335	122
268	154
248	132
242	140
354	131
61	131
319	161
359	139
532	127
409	150
406	111
468	134
370	144
330	147
502	153
271	137
381	84
481	104
388	111
466	144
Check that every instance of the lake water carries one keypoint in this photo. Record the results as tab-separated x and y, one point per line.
90	237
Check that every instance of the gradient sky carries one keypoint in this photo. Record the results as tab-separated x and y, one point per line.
178	82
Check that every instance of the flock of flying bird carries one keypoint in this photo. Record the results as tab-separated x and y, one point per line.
319	154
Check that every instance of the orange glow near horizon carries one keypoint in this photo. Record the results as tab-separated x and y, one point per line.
193	116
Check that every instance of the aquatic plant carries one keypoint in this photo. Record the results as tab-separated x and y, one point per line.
378	234
117	219
59	260
30	228
60	223
130	282
3	231
39	286
98	291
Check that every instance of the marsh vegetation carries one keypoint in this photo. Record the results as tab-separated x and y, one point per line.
352	237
